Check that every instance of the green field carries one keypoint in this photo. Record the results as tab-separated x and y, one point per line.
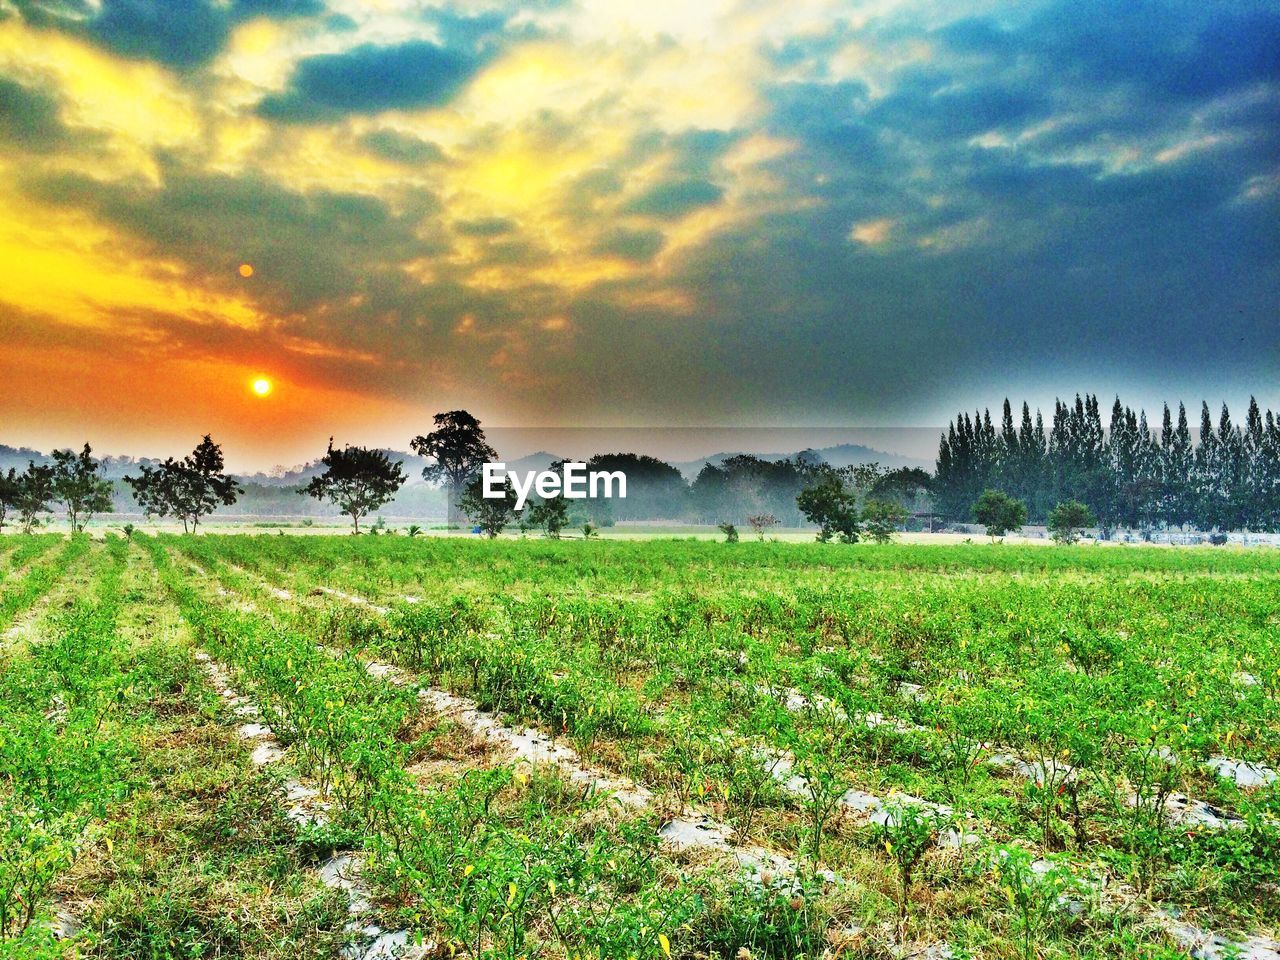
323	746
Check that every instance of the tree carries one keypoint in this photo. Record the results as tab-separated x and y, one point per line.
457	449
881	518
1177	470
35	491
762	522
1068	519
749	485
907	486
77	484
1226	478
832	506
709	494
730	532
10	491
654	488
999	513
490	514
189	489
552	515
357	480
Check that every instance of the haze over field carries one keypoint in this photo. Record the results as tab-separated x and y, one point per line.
282	221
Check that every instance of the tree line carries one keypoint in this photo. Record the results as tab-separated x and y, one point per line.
1072	475
1129	475
358	481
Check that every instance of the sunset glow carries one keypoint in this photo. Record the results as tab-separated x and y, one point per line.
667	213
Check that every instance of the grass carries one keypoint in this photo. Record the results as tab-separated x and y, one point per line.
691	668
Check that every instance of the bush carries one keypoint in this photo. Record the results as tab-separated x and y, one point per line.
999	513
1068	519
882	518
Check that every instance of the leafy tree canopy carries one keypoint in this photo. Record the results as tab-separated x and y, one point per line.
1068	520
78	484
357	480
832	504
189	489
490	514
999	513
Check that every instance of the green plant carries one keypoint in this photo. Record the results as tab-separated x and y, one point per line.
999	513
907	831
1038	891
1068	519
882	518
189	489
833	505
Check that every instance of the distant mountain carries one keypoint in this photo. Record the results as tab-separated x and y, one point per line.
842	455
19	457
113	468
534	461
301	474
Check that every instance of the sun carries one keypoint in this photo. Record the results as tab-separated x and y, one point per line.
262	386
246	270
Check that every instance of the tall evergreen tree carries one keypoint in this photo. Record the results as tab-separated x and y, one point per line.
1226	478
1254	494
1269	473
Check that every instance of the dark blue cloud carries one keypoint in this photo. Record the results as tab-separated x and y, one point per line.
674	199
370	79
1070	247
1175	49
29	117
827	116
180	33
183	34
277	9
486	227
402	147
930	103
638	246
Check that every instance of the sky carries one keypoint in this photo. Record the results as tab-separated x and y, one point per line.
723	212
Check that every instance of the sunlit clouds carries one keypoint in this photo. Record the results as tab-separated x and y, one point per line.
592	212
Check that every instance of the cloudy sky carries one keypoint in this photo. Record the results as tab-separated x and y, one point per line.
780	212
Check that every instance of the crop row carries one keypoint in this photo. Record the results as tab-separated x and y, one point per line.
64	739
680	721
492	861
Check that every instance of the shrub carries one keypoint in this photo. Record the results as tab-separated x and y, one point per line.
1068	519
999	513
881	518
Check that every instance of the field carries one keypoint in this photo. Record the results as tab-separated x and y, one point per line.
322	746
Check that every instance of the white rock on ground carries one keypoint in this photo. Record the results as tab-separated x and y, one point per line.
1245	774
340	872
532	746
